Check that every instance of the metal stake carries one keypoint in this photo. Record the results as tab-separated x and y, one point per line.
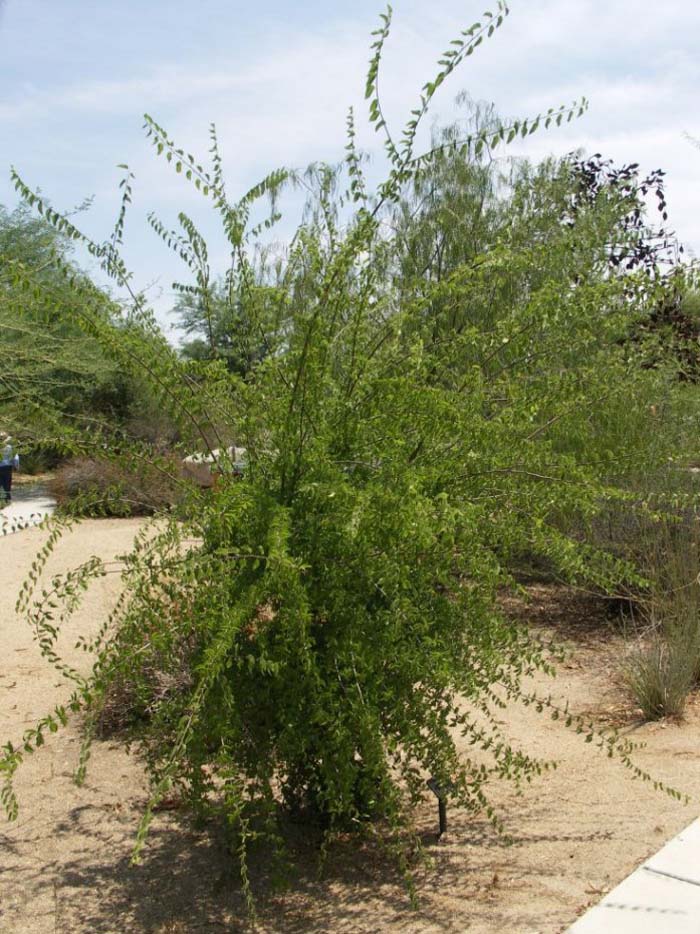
440	793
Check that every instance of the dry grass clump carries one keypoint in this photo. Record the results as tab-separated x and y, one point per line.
663	670
659	676
662	615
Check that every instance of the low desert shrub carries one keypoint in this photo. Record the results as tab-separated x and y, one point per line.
100	487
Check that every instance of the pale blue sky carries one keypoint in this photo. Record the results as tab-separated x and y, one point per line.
277	78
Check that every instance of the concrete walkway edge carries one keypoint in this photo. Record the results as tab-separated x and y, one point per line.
662	895
29	506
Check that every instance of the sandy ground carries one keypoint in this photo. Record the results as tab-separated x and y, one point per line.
576	832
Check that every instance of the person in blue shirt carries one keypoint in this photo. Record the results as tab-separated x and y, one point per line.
9	462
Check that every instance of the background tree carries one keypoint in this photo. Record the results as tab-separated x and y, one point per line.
56	377
220	327
51	372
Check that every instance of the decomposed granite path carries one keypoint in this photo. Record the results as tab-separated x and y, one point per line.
575	832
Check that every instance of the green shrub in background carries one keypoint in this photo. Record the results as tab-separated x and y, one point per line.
327	623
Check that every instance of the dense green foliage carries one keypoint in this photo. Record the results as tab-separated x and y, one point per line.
446	380
219	329
63	392
50	370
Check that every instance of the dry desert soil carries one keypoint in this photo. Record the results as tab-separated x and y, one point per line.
575	832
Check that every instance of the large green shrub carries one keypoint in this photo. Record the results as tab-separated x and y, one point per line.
319	630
